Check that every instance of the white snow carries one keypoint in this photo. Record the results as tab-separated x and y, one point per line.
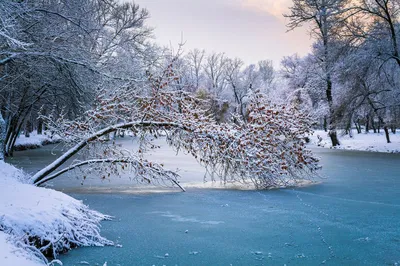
374	142
53	219
11	255
35	140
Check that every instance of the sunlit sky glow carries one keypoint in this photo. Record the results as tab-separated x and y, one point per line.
252	30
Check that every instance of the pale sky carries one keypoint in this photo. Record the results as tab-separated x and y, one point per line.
252	30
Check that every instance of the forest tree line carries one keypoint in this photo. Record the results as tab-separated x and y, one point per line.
57	55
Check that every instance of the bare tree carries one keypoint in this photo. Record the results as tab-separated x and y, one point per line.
378	19
234	78
327	18
267	73
214	68
55	54
195	60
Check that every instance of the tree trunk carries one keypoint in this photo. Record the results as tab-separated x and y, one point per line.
379	126
11	127
358	126
373	124
14	139
40	127
348	128
334	138
332	123
329	97
2	136
386	128
28	128
380	121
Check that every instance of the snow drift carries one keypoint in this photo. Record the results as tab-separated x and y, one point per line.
40	223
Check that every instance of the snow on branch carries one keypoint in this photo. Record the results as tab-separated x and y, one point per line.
149	171
266	149
39	176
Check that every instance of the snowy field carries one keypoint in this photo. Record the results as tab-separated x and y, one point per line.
373	142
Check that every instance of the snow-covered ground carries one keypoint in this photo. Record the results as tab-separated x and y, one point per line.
34	219
374	142
12	255
34	141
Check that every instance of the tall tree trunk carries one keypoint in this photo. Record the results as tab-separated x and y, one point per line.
11	127
40	127
2	136
386	128
373	125
380	120
28	128
332	122
358	126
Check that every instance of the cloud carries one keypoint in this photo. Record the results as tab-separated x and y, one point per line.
274	7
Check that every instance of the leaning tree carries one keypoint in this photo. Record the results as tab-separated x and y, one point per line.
267	149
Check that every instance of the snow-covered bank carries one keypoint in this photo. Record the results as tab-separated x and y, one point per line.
34	141
374	142
12	255
36	221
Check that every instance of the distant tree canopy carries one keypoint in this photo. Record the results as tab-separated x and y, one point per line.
355	61
54	54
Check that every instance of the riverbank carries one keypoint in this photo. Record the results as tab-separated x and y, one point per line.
35	141
39	223
371	142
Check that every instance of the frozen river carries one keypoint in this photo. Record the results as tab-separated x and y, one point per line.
351	218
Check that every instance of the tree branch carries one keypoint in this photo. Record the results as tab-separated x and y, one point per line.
95	161
39	176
